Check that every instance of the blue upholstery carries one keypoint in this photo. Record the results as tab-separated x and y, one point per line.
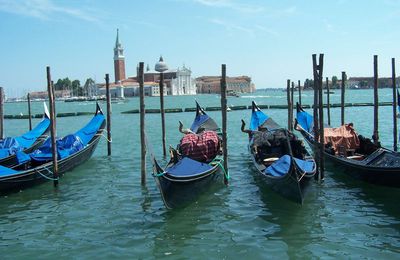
305	166
280	167
187	167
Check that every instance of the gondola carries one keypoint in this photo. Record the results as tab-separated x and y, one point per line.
280	158
28	142
367	161
183	179
72	150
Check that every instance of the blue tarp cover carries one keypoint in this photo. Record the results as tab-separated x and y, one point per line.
187	167
26	140
70	144
198	121
280	167
304	166
306	121
257	118
4	171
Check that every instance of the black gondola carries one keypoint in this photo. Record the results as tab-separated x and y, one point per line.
73	150
28	142
367	162
279	157
184	179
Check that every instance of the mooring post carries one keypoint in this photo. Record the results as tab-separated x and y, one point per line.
375	135
315	115
1	113
299	92
291	106
288	103
50	91
328	103
224	119
29	111
343	88
161	66
394	106
108	114
321	118
142	126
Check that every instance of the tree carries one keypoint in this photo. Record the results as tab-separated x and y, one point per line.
89	87
334	81
76	88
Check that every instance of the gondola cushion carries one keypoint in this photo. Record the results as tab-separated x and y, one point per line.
305	166
9	146
187	168
66	146
201	147
279	168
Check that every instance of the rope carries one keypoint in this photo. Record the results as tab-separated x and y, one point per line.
46	177
218	162
108	140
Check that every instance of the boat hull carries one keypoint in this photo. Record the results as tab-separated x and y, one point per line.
177	193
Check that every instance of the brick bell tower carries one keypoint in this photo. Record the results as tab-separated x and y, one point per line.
119	61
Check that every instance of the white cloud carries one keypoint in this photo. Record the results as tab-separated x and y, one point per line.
44	10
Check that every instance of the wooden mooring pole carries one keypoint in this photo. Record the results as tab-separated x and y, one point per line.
299	92
375	136
29	111
108	114
224	121
161	66
1	113
142	126
343	88
321	118
394	105
50	91
288	103
291	106
328	102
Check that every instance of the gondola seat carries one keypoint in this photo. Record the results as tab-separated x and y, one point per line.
187	167
280	167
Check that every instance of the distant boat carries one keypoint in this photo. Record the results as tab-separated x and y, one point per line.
232	93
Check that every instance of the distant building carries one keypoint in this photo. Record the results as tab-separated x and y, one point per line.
176	81
212	84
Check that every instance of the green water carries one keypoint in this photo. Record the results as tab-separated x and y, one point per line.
100	209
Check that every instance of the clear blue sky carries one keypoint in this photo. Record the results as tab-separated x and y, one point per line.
271	41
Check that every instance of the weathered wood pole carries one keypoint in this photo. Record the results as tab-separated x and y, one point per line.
288	103
1	113
29	111
224	119
50	91
315	115
108	114
342	98
375	135
161	66
299	92
291	106
328	102
394	106
142	126
321	118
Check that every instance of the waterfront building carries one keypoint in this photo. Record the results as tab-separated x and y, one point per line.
212	84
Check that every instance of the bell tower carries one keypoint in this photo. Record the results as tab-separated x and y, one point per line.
119	61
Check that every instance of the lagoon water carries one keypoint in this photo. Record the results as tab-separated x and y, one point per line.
100	209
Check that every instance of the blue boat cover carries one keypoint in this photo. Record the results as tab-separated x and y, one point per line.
257	119
12	145
305	120
305	166
280	167
22	157
26	140
4	171
69	144
187	168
